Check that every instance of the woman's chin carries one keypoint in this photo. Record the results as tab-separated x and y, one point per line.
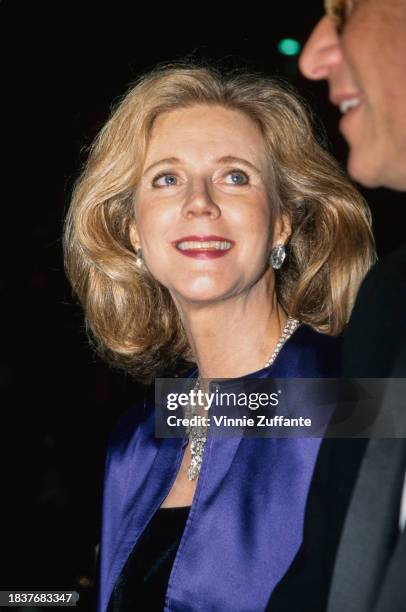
200	295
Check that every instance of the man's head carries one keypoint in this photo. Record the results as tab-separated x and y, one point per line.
359	47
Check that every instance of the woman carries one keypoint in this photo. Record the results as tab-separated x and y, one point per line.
210	227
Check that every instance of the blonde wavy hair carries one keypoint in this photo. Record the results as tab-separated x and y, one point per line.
131	319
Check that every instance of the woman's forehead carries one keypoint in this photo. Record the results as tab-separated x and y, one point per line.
211	125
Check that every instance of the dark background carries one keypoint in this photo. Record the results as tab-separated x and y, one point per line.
62	71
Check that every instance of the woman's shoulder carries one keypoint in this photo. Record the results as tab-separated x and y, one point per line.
138	420
127	424
306	336
316	354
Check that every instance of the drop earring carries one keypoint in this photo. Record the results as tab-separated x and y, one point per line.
277	256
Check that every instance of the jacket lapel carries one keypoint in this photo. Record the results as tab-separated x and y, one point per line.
370	529
392	596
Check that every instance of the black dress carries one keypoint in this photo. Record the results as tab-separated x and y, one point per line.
145	575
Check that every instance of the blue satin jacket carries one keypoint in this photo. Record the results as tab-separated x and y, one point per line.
246	520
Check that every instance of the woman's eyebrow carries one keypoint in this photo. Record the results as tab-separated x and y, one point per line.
167	160
231	159
226	159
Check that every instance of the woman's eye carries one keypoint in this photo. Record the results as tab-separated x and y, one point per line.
238	177
164	180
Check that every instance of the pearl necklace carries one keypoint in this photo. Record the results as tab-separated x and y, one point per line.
197	434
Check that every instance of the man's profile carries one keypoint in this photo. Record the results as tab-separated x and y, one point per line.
354	553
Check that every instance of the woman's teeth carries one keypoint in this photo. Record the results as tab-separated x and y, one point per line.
212	244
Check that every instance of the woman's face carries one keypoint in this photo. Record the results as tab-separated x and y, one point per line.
202	211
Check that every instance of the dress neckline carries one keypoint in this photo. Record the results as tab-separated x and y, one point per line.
175	508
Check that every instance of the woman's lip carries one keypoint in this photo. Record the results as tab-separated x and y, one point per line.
193	238
209	252
204	253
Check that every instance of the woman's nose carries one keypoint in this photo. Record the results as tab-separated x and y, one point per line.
322	51
199	201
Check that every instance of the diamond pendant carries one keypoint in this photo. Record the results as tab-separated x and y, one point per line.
196	450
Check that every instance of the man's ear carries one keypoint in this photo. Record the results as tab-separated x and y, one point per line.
282	230
134	238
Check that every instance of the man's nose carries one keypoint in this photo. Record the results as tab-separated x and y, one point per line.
322	51
200	201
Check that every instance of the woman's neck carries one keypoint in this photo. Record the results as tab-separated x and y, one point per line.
234	337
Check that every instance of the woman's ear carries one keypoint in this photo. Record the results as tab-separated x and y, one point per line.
282	230
134	238
135	241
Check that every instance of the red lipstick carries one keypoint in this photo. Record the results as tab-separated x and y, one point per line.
203	247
